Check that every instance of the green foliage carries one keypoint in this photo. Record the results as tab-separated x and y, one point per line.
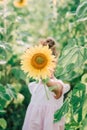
3	123
6	94
22	27
71	62
62	111
72	67
74	105
81	11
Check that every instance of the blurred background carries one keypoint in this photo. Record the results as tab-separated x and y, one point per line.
22	24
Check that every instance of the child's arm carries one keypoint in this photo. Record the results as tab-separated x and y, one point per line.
58	90
66	86
61	127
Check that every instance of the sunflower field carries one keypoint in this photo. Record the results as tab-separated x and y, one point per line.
22	24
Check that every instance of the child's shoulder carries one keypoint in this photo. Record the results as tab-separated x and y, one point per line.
31	83
31	86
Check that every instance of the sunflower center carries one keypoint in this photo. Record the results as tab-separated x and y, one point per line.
39	61
21	1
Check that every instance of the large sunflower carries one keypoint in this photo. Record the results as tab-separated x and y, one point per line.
38	61
20	3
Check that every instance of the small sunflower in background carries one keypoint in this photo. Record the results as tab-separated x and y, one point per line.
1	1
20	3
38	61
54	2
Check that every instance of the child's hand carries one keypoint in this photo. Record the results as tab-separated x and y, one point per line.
58	90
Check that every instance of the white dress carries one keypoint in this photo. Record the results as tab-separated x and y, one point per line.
40	112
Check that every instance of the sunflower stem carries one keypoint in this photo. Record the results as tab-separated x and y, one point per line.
46	91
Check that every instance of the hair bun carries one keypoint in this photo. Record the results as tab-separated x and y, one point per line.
50	42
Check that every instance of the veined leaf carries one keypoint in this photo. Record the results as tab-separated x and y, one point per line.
82	9
61	112
3	123
70	64
18	73
77	100
10	91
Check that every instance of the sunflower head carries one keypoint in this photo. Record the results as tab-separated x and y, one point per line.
20	3
38	61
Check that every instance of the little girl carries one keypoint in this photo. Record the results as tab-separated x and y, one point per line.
40	112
